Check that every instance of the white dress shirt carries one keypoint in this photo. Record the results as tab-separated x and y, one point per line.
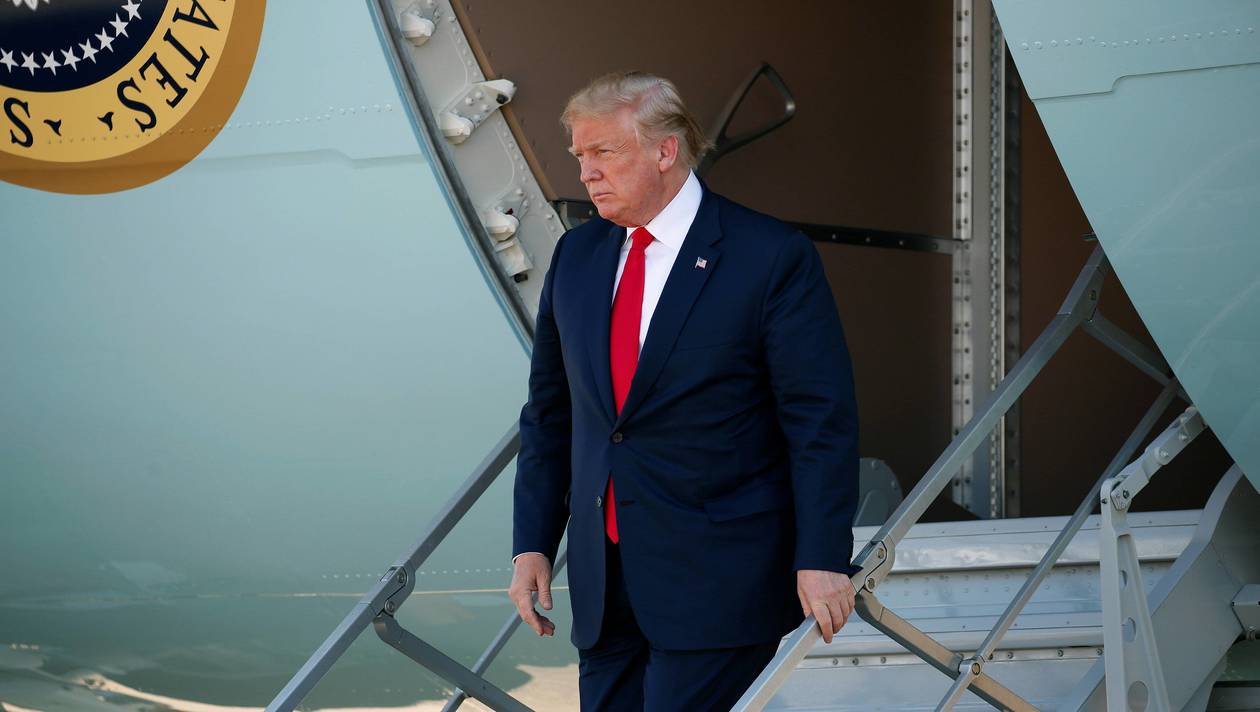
669	227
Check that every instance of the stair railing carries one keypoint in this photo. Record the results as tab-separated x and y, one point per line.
380	604
1079	310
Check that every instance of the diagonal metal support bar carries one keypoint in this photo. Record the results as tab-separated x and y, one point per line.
458	505
474	685
399	580
935	654
1129	348
336	644
509	628
1060	544
1137	475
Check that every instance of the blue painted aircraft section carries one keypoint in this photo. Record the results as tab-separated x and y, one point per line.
1151	107
233	396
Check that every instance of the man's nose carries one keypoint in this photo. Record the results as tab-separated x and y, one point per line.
589	173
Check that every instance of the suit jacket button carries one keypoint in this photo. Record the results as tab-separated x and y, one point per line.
599	501
618	437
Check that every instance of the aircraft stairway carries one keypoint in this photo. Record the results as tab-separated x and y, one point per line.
1159	652
953	580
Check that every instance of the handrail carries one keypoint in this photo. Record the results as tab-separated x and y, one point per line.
385	597
1079	305
1079	309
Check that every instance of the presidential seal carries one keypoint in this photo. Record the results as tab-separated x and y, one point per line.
103	95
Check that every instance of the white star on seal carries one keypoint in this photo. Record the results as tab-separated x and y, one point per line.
120	26
28	62
133	9
106	41
69	60
6	58
89	52
50	61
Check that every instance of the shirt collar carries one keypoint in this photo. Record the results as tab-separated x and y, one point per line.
670	226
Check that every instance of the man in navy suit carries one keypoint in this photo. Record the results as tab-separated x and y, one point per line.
691	419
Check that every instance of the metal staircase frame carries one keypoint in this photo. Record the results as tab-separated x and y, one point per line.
1079	310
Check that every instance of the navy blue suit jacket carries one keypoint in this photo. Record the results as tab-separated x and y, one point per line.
735	456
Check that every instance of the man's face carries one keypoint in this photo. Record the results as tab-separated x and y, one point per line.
624	178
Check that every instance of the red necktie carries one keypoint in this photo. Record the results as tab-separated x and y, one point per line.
623	344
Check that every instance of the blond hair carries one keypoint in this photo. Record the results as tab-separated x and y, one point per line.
655	105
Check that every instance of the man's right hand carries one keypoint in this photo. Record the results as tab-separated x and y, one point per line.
532	574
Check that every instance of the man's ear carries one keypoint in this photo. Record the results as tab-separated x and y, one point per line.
667	153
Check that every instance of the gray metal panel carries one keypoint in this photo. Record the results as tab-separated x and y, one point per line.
1012	543
978	299
1193	621
982	270
485	173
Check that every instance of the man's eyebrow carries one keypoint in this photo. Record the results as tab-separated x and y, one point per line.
573	150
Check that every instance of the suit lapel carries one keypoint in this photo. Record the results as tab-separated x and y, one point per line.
599	313
682	286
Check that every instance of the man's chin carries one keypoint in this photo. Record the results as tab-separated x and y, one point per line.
612	215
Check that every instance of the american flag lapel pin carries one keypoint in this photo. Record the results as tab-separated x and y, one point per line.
701	263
